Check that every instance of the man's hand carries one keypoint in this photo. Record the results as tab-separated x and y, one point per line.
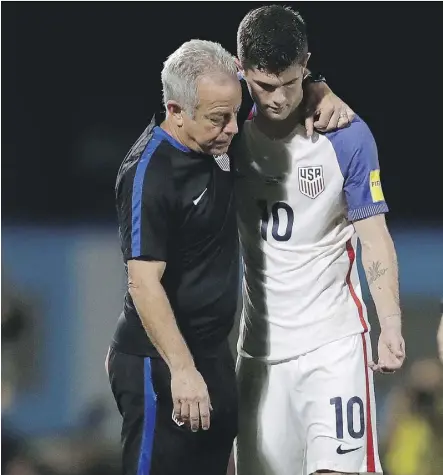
191	398
391	351
440	340
325	111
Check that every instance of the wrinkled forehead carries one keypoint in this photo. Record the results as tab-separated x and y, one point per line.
288	75
222	91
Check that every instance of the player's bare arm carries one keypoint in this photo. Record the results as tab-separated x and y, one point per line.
189	392
380	263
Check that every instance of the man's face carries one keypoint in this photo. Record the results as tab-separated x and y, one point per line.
276	96
215	119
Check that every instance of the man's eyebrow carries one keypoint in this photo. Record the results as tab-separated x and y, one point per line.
267	84
261	83
292	80
223	113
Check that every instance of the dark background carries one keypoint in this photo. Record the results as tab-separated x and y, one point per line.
81	80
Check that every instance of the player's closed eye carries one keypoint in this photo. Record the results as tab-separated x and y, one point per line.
267	87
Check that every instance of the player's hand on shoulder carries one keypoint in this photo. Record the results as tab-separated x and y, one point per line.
391	351
190	396
325	110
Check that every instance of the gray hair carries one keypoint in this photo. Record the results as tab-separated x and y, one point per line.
183	68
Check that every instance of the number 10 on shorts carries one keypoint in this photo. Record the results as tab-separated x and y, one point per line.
337	402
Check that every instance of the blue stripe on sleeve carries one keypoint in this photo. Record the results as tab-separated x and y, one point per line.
368	211
137	195
145	459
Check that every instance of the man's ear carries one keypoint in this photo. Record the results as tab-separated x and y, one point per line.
239	66
305	63
175	111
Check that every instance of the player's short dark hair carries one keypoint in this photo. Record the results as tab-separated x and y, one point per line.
272	38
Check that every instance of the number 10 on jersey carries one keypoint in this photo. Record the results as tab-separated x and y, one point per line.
277	210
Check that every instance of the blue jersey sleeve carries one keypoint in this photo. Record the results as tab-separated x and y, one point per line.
357	157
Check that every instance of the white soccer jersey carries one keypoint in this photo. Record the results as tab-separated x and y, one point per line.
296	199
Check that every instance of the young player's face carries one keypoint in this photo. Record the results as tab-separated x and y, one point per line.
276	96
215	119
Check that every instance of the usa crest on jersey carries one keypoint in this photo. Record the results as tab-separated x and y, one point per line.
311	181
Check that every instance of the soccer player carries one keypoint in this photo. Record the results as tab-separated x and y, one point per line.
304	370
169	363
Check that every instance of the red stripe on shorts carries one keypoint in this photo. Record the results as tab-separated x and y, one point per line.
370	456
351	255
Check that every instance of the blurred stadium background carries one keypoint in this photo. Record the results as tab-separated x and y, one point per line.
80	82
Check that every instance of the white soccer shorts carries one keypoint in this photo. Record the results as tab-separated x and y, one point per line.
315	412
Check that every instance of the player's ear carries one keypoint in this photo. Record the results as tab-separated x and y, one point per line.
304	64
239	65
175	111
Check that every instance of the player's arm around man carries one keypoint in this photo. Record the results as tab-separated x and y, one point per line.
324	110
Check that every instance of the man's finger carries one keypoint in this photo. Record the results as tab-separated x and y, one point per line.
343	120
324	116
397	349
184	411
309	125
391	366
350	114
194	417
403	347
374	366
333	121
205	416
378	367
177	409
387	371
